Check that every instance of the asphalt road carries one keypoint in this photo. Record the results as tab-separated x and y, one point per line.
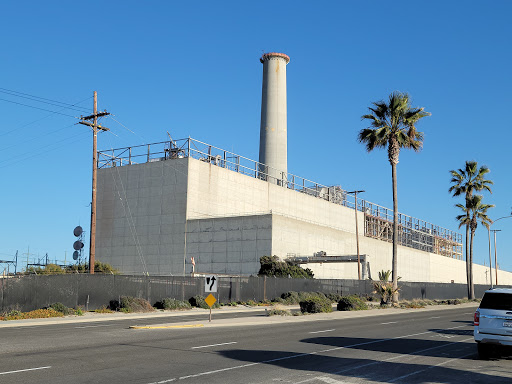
405	347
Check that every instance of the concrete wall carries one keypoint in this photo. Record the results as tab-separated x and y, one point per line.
141	212
233	220
215	192
229	245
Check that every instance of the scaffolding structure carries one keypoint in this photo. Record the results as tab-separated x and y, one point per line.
412	232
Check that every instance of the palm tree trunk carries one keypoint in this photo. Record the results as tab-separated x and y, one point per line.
395	234
468	277
471	286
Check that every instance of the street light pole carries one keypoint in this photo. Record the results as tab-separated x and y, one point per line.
496	255
357	234
490	258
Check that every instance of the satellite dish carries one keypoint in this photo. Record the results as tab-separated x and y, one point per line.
77	245
75	255
77	231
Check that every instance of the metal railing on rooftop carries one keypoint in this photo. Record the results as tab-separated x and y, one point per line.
414	233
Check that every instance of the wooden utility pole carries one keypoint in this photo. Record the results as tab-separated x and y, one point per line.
95	127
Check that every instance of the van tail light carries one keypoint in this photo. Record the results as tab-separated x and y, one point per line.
476	321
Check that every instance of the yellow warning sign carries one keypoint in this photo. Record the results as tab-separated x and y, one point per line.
210	300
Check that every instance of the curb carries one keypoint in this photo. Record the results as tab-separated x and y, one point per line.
165	326
318	317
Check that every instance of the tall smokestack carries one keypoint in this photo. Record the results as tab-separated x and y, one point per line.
273	132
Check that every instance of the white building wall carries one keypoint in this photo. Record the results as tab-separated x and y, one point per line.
141	219
229	245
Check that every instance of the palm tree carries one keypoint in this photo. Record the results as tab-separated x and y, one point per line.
474	212
392	125
465	181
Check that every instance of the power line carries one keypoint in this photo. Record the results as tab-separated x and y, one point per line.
42	109
35	121
43	100
9	162
45	133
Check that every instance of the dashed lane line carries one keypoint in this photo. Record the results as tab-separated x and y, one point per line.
214	345
327	330
401	356
24	370
302	354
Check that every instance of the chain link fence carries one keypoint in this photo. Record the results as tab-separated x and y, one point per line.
31	292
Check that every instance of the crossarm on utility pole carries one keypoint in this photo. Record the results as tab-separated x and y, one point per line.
100	127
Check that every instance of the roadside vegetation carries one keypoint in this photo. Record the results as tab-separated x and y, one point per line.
54	310
385	289
308	302
272	266
54	269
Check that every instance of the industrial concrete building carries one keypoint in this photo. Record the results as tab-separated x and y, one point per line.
160	205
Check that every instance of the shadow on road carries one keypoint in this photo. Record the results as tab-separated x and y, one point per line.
459	332
420	347
468	322
396	366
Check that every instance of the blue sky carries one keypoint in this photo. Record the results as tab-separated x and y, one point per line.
192	68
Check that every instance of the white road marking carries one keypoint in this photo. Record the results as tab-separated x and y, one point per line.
303	354
391	322
328	380
470	313
163	381
430	367
24	370
94	326
435	317
214	345
327	330
401	356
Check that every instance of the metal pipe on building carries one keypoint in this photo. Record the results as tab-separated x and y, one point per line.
273	129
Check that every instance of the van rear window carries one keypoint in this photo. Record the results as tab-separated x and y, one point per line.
496	301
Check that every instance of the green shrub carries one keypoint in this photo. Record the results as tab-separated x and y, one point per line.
198	301
278	312
59	307
36	314
99	267
414	304
351	303
279	300
385	290
251	303
315	305
128	304
290	297
172	304
334	297
272	266
103	309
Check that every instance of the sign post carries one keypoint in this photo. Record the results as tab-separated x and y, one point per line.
210	285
